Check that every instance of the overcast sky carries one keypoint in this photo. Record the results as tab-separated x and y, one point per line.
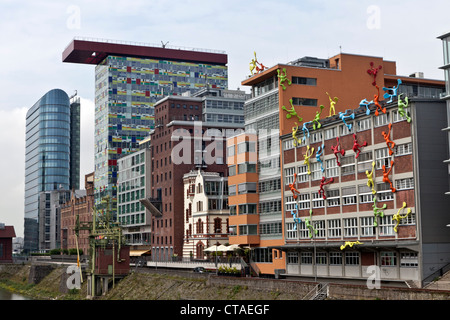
35	33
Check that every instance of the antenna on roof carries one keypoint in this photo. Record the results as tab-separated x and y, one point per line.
340	49
164	44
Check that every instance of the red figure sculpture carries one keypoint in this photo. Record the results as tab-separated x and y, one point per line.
337	149
357	146
390	144
373	71
386	175
295	192
323	183
376	101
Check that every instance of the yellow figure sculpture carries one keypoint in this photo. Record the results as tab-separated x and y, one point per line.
294	135
397	217
350	244
370	178
308	155
332	104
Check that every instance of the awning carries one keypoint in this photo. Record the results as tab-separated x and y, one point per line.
138	253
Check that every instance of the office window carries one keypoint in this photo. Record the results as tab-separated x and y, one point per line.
230	150
382	157
232	190
344	130
396	116
404	184
289	175
304	102
248	187
335	258
348	165
306	257
249	208
291	233
352	258
247	146
367	227
365	194
330	133
304	81
334	228
315	137
332	168
363	125
409	259
272	228
388	258
386	226
303	201
381	120
317	200
248	229
246	167
302	174
292	257
232	171
365	160
350	227
321	258
316	171
403	149
333	198
384	192
319	226
289	144
349	195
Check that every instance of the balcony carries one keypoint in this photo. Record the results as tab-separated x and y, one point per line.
154	205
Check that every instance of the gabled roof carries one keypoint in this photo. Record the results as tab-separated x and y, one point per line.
7	232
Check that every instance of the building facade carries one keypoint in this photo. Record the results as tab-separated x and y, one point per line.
79	208
129	79
133	184
182	142
290	99
52	161
7	233
205	212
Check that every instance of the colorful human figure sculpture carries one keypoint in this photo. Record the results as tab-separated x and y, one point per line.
296	141
390	144
282	77
344	117
386	175
291	112
377	212
297	219
402	107
376	101
306	156
349	244
357	147
305	130
316	119
255	65
392	92
365	103
294	191
323	183
332	105
397	217
336	150
373	72
318	154
370	182
309	224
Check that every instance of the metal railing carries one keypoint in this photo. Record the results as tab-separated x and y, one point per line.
319	291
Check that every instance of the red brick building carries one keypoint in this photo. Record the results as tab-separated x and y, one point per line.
7	233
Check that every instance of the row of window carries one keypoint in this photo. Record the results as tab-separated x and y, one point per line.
347	227
387	258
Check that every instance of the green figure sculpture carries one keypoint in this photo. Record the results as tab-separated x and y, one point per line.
309	224
283	77
377	211
317	118
402	106
291	112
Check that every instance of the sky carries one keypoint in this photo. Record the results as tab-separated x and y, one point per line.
35	33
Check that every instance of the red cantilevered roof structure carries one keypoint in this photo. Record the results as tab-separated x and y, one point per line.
88	51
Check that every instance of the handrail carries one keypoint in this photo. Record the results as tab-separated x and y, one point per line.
438	273
317	290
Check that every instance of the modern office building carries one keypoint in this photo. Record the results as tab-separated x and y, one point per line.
129	79
51	164
205	212
289	99
182	142
446	94
133	184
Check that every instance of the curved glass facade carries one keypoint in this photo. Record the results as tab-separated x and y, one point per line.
47	157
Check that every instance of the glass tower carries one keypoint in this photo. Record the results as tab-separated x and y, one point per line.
51	163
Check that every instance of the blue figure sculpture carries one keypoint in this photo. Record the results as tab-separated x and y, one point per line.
297	220
318	154
343	117
305	130
394	91
365	103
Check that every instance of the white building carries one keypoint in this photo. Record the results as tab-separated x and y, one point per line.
205	212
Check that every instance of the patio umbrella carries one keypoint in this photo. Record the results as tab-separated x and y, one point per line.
212	249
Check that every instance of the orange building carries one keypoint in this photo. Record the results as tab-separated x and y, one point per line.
286	99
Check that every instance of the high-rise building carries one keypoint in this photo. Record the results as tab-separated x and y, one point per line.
129	79
289	100
51	164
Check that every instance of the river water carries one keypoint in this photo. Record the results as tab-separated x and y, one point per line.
6	295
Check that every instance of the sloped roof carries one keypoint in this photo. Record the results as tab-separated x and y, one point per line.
7	232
